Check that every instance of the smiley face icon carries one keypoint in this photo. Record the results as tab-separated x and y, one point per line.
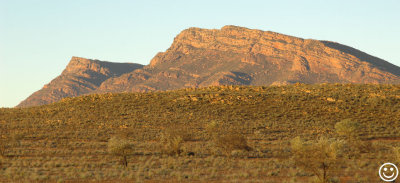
388	172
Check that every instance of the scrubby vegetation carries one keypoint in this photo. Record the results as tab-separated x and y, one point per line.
232	133
121	147
319	157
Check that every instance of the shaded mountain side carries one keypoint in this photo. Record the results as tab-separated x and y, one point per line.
377	62
81	76
228	56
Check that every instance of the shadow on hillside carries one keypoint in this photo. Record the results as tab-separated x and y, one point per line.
377	62
242	77
116	69
121	68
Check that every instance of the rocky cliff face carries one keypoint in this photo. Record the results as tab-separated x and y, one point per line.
81	76
230	56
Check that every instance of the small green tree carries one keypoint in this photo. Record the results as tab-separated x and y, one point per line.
120	147
319	157
348	129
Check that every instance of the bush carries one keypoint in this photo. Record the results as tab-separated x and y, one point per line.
173	145
173	138
231	141
10	142
348	129
396	154
2	148
225	139
319	158
120	147
212	129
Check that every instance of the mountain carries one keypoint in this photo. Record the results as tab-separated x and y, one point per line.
240	56
81	76
231	55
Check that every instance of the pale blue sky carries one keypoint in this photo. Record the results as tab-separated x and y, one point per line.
38	37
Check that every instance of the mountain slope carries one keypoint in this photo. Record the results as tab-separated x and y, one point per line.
81	76
230	56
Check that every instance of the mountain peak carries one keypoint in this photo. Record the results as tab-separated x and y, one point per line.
226	27
232	38
80	64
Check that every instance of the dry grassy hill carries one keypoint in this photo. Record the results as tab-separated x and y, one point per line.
212	134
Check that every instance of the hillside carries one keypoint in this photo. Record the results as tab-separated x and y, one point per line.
67	140
231	56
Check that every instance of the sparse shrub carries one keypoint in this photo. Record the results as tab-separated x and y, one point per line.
179	130
173	145
396	154
231	141
10	142
226	140
212	128
2	148
120	147
173	138
319	158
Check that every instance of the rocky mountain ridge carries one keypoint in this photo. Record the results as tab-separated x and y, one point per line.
81	76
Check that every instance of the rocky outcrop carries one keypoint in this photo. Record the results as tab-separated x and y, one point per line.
228	56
